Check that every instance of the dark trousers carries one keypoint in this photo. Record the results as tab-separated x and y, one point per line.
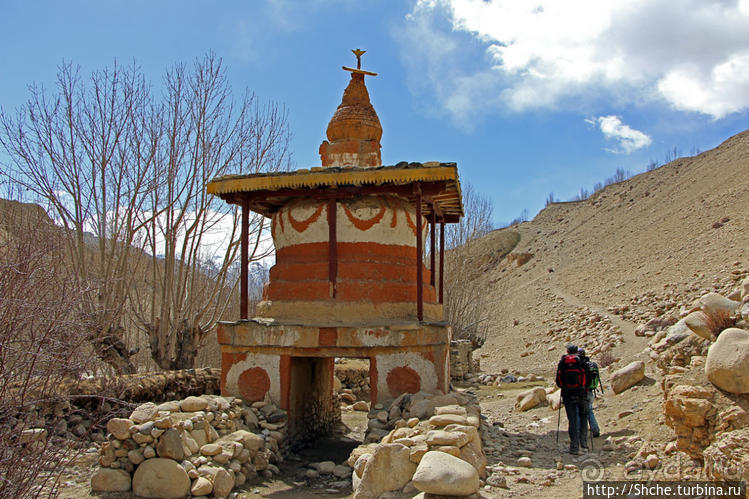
577	416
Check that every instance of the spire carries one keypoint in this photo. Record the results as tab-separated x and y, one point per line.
354	131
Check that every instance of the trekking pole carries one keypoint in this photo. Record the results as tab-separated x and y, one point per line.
559	412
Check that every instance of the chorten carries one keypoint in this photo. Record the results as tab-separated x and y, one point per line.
349	278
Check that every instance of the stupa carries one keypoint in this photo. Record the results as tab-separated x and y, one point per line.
349	278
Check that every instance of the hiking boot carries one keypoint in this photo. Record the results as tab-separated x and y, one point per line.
574	452
596	434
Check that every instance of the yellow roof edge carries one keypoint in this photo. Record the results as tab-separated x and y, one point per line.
317	179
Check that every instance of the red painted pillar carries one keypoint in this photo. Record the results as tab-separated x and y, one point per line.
244	255
432	245
419	249
442	258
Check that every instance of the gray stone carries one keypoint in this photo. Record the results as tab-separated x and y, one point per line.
144	412
170	445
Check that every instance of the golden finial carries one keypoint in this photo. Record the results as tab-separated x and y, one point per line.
358	53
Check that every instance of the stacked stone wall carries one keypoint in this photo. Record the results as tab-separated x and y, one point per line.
461	359
198	446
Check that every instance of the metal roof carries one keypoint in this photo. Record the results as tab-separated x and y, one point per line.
266	192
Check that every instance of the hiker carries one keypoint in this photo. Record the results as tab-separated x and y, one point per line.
593	383
572	379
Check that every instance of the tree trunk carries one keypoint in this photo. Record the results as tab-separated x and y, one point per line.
110	348
183	353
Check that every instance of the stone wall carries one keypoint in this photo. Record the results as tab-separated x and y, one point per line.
197	446
461	359
421	442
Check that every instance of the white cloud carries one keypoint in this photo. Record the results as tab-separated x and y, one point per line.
628	139
694	54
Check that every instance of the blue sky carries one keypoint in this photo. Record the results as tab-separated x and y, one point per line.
527	97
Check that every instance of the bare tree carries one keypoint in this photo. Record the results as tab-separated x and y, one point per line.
465	302
204	133
43	346
84	151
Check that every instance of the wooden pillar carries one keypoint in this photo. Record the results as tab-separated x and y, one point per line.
419	273
332	248
244	288
432	245
442	258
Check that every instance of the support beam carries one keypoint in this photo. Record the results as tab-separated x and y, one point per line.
332	248
419	249
432	245
442	259
244	288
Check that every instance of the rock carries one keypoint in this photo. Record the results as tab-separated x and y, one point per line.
421	409
697	322
446	419
210	450
728	457
201	487
727	365
389	468
652	461
525	462
497	480
34	435
554	400
109	480
342	471
441	473
193	404
119	428
627	376
529	399
326	467
144	412
223	482
440	437
360	406
160	478
170	445
450	409
716	304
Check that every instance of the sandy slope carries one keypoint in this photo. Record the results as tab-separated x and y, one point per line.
648	242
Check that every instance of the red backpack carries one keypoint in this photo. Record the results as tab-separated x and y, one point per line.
571	372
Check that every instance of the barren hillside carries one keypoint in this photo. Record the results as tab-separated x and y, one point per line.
633	251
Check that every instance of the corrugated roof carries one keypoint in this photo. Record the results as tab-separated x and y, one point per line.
266	192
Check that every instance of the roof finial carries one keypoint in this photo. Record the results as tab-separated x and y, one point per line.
358	53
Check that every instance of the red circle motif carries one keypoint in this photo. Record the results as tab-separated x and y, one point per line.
254	383
403	379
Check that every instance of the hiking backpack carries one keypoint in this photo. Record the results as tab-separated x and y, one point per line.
571	373
594	378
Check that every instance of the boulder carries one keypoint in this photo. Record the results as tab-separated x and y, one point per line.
446	419
727	365
554	400
443	474
109	480
389	468
744	288
201	487
160	478
530	398
193	404
627	376
360	406
144	412
223	482
714	303
697	322
119	428
170	445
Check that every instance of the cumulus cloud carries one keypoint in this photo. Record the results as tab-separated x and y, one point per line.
692	54
627	138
